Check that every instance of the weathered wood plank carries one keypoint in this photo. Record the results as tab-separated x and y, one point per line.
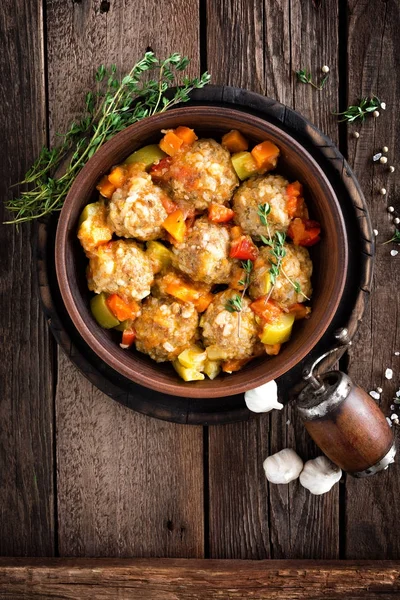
26	406
198	579
127	485
373	47
253	511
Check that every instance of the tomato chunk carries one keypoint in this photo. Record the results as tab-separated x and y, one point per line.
304	232
267	309
128	337
160	171
168	204
217	213
243	248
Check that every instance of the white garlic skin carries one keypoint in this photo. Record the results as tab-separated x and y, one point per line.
283	467
264	398
319	475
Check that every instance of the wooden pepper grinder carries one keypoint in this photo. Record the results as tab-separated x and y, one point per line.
344	421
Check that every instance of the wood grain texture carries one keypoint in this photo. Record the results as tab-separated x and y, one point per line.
373	50
198	579
251	505
26	405
127	485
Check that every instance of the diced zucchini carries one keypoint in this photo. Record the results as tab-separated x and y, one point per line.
279	331
102	313
187	374
244	165
147	155
193	358
90	210
160	257
124	325
212	368
216	353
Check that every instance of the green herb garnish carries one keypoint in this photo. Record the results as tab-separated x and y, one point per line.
364	107
395	239
304	76
235	304
116	104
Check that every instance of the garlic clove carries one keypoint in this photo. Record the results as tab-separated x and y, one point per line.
263	398
282	467
320	475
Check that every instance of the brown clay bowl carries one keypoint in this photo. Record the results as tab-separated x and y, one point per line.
329	256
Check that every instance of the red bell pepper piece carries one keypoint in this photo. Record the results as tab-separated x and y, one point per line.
128	337
304	232
243	248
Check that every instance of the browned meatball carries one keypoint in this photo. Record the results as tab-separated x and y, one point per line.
221	332
204	255
165	328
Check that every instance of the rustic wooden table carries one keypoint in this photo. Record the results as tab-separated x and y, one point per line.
82	476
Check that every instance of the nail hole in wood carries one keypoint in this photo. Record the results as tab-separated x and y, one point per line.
149	49
170	525
104	6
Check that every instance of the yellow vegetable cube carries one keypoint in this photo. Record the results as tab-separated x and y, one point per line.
160	257
147	155
212	368
193	358
279	331
187	374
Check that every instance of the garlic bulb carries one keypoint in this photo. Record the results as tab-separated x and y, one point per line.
282	467
319	475
263	398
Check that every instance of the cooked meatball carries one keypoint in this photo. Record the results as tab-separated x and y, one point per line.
202	173
297	267
165	328
256	191
136	209
221	328
122	268
204	255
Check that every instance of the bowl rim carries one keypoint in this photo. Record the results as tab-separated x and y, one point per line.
228	387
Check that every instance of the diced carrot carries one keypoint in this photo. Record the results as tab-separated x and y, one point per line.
304	232
234	141
218	213
175	225
300	311
117	176
182	291
236	232
272	349
122	310
186	134
235	364
203	302
168	204
128	337
170	143
266	156
267	309
105	187
294	189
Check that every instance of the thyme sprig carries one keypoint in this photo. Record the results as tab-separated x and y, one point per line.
395	239
117	103
305	76
361	110
235	304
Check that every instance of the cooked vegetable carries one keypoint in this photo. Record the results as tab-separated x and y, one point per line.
186	134
243	248
127	324
193	358
300	311
294	189
128	337
171	143
187	293
117	176
211	368
304	232
234	141
105	187
101	311
187	374
148	155
160	257
279	331
175	225
90	210
236	232
235	364
266	309
217	213
215	352
122	310
272	350
265	156
168	205
244	165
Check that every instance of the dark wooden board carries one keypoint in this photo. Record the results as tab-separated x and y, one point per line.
27	350
372	518
127	485
104	579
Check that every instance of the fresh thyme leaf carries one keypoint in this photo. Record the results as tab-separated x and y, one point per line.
117	103
263	212
360	110
304	76
395	238
234	304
